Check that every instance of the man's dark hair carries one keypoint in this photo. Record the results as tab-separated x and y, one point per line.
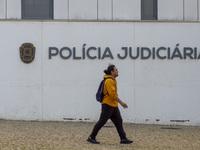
109	69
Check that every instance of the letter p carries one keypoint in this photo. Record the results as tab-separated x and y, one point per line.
53	51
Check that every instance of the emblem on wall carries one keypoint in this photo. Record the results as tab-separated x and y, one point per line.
27	52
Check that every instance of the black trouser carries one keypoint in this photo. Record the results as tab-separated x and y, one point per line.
112	113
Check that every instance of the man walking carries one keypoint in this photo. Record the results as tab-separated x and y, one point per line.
110	108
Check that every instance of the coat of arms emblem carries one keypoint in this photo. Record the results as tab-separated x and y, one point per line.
27	52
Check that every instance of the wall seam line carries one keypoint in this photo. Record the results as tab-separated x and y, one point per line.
197	10
183	9
42	82
68	9
112	8
6	12
97	9
134	82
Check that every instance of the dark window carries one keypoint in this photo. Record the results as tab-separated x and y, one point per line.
149	10
37	9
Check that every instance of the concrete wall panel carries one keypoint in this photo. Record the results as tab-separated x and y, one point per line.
170	10
13	9
20	83
162	86
61	9
156	91
127	10
105	9
3	9
69	84
190	10
83	9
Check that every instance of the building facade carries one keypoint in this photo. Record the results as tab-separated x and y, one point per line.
53	53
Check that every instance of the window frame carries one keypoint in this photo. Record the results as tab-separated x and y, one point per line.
155	11
36	18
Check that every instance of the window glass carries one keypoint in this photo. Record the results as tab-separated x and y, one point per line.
37	9
149	10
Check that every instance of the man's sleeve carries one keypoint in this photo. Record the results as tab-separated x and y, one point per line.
111	88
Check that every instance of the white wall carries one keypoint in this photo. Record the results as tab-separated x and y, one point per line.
2	9
190	10
53	89
20	84
61	9
77	80
126	10
170	10
13	9
167	89
83	9
105	9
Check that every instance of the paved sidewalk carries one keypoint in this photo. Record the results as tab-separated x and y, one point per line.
27	135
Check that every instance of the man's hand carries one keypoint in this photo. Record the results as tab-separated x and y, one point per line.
124	105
